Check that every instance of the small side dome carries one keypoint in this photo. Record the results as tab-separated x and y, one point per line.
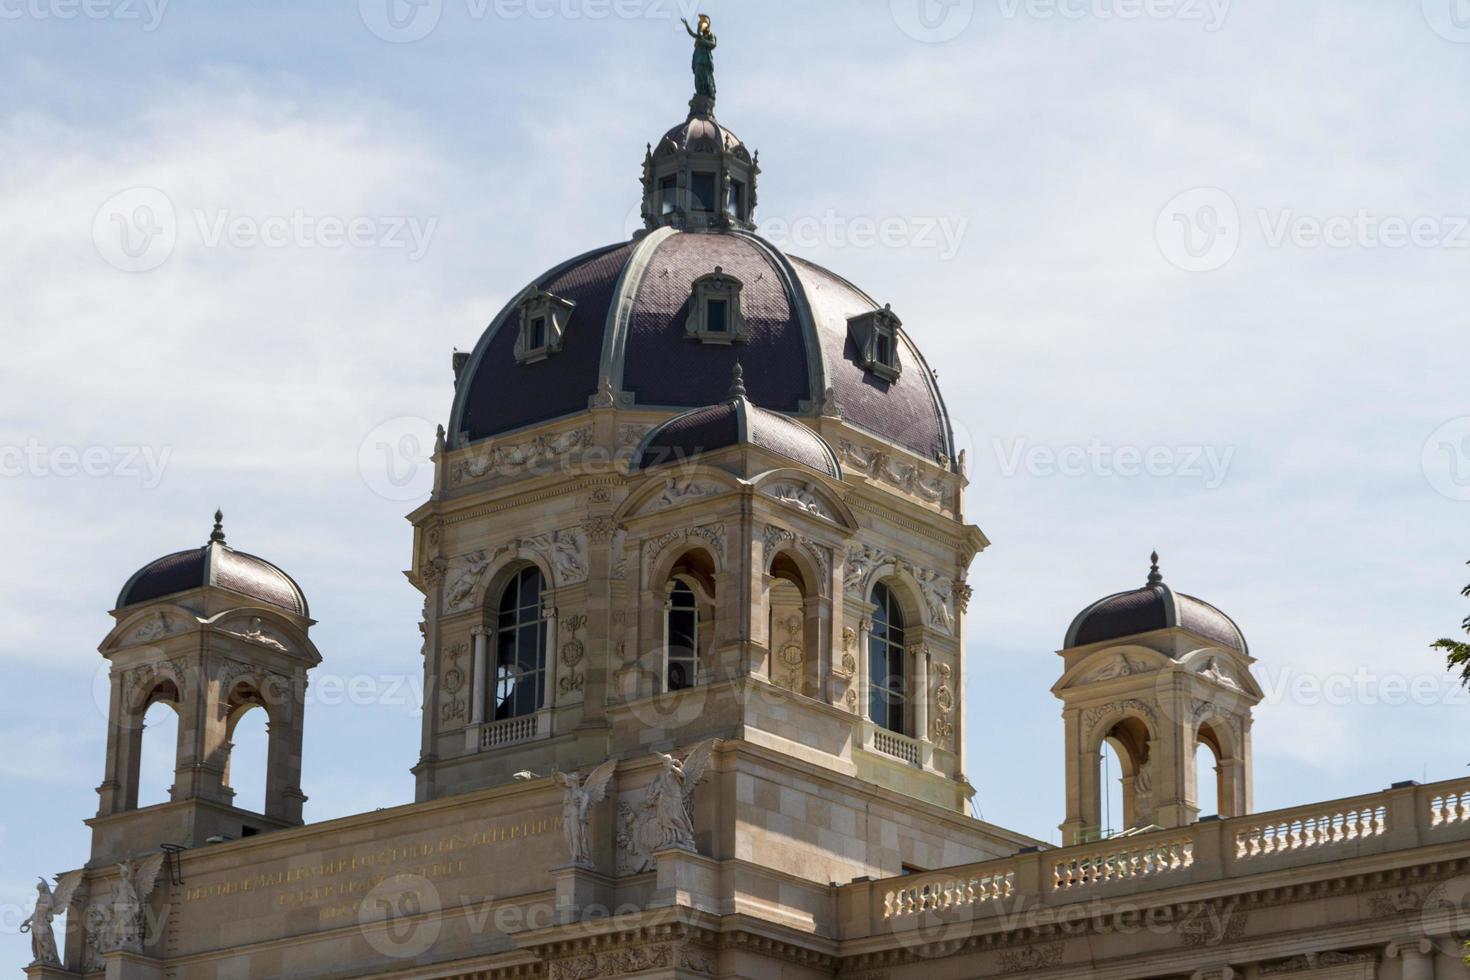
1153	607
735	422
217	565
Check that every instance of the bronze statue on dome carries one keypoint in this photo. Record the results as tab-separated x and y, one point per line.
704	56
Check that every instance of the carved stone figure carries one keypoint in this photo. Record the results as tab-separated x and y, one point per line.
664	818
578	799
136	881
49	904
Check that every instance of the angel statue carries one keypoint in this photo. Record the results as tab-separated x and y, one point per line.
49	904
704	56
578	799
136	880
671	796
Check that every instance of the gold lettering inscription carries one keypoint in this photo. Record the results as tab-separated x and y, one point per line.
356	874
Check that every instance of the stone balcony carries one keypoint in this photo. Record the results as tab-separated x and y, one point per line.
1379	857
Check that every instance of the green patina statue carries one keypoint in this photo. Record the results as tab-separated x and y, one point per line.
704	56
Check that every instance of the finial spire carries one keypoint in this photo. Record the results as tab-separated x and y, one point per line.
218	534
737	382
1154	577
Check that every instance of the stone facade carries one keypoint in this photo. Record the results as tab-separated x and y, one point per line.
765	637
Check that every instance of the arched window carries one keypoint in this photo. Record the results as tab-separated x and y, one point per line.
159	750
683	637
886	661
520	647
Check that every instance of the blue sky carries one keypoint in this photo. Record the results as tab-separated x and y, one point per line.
1048	172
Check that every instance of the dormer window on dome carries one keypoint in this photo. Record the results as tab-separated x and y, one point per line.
875	335
543	323
715	316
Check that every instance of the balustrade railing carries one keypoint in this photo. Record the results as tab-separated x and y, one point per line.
1448	808
938	894
1325	828
509	731
1138	858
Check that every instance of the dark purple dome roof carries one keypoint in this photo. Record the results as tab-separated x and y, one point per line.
1153	607
735	422
218	565
626	332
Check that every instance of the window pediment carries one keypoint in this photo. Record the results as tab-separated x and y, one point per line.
715	316
875	335
542	328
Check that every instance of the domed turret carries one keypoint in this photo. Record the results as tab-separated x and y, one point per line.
218	565
1153	607
735	422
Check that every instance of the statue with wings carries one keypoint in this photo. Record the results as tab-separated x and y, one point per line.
579	796
670	801
136	880
49	904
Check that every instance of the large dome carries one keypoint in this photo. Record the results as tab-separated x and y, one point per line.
218	565
1153	607
625	334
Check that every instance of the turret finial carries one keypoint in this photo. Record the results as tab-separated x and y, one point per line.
1154	577
218	534
737	382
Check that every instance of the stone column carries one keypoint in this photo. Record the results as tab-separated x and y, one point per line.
480	669
1418	956
919	690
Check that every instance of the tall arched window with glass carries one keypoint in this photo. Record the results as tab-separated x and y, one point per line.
683	637
520	647
886	681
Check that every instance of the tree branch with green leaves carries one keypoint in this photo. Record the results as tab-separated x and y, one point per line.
1457	653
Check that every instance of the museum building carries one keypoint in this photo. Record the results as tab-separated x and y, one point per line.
694	574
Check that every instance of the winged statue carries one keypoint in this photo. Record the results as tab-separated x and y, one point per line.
49	904
136	881
670	799
579	796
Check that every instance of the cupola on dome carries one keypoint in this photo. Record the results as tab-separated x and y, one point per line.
1154	607
735	422
215	565
659	322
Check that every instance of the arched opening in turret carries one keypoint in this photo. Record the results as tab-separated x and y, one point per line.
247	732
1124	767
689	613
788	624
1110	779
1209	774
158	746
